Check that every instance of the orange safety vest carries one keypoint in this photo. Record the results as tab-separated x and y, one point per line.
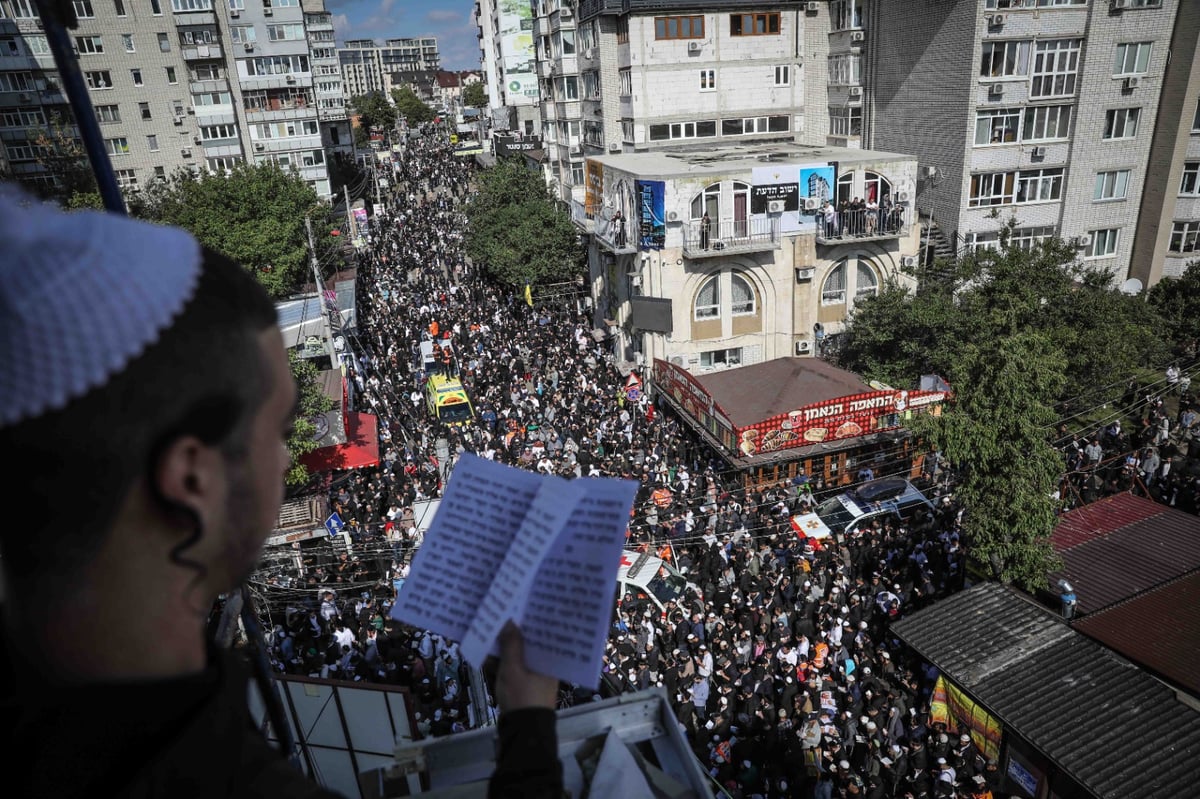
433	328
662	497
665	553
821	651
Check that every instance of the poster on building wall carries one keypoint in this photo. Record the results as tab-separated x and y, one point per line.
593	188
779	184
692	398
516	49
952	707
818	181
652	224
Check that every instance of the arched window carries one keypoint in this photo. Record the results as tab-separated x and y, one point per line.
875	187
708	299
742	296
708	200
867	284
845	185
833	292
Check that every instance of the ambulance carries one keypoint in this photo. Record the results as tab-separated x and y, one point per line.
843	515
649	577
447	400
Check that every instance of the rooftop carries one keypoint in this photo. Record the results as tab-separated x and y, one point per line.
707	160
750	394
1118	731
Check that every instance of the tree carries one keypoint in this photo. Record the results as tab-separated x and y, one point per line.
311	402
474	95
410	107
61	155
1177	300
255	215
374	111
996	434
517	232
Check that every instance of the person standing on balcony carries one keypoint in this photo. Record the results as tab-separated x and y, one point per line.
705	227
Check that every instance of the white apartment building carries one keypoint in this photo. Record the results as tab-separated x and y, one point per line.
768	276
174	83
368	66
505	30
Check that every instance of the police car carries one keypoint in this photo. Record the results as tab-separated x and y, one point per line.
849	512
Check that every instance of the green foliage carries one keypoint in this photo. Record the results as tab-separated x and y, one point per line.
474	95
517	232
410	107
375	111
1177	300
996	432
312	402
61	154
255	215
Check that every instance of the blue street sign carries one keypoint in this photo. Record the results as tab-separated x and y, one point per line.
334	524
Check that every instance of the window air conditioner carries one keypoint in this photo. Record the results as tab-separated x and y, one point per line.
672	216
929	171
693	47
857	37
565	13
804	273
1038	152
803	347
1132	83
908	261
775	206
268	12
856	91
996	90
614	147
198	140
179	119
260	146
811	203
812	8
291	79
1083	241
995	20
1118	5
901	196
234	13
186	152
249	47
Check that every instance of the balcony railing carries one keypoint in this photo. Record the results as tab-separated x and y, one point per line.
727	236
862	225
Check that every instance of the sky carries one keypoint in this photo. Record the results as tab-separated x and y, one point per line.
447	20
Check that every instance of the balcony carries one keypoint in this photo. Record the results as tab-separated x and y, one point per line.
865	225
201	51
614	235
730	236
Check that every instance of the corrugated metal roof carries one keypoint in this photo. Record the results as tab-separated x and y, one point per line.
1159	629
1118	731
1122	546
750	394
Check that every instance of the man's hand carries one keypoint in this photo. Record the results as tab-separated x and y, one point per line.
516	686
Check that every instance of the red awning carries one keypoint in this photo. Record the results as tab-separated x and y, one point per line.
360	449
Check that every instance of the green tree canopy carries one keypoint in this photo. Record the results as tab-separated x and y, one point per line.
410	107
1177	300
311	403
255	215
517	232
474	95
375	110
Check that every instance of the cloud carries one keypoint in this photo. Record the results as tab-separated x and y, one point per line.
443	15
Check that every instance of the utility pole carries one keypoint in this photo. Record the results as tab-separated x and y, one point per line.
349	213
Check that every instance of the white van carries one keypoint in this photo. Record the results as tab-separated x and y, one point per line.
649	577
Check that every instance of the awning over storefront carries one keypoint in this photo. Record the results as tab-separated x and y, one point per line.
361	447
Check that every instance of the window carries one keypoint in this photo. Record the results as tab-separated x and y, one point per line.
1121	123
127	42
237	5
83	9
1104	243
783	75
1133	58
868	282
191	5
569	88
20	81
37	44
108	113
120	6
708	80
728	357
708	300
997	126
1111	185
1004	59
1191	178
845	70
992	188
1047	123
623	30
684	130
591	84
89	45
160	172
144	110
152	143
833	291
223	163
208	132
845	121
117	146
1029	238
747	125
691	27
285	33
1185	237
1055	62
566	38
846	14
208	72
212	98
627	130
707	202
202	36
171	76
1039	185
243	33
577	174
164	43
98	79
1196	119
753	24
22	118
156	8
126	178
1004	4
742	301
136	74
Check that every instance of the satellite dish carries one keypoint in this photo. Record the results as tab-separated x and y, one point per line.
1131	286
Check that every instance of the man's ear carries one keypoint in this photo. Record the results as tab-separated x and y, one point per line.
187	473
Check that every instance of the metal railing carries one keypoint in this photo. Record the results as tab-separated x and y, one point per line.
865	223
717	235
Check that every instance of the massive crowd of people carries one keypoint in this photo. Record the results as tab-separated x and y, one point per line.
777	657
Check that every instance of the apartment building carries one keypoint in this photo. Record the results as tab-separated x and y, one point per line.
175	84
1030	116
368	66
505	32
